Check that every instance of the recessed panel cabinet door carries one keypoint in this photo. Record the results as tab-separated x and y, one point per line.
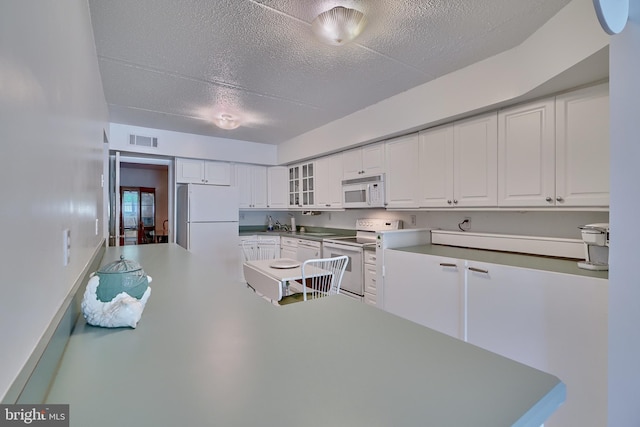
436	167
551	321
403	166
526	155
425	289
582	147
475	181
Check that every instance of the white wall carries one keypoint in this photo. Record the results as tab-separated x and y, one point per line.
188	145
52	116
565	40
624	276
550	224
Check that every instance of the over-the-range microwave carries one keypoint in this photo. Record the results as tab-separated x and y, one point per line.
365	192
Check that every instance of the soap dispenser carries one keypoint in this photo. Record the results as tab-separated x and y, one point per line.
269	223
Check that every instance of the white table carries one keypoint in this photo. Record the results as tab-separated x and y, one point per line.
272	282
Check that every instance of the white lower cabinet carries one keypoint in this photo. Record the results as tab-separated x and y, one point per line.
425	289
551	321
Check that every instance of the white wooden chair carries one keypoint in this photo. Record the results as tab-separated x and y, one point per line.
257	249
320	278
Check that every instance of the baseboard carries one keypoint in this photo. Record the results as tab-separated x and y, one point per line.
32	383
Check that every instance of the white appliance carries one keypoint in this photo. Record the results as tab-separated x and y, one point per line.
308	249
207	225
596	246
365	192
353	247
390	239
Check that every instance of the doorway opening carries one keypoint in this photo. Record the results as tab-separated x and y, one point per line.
144	200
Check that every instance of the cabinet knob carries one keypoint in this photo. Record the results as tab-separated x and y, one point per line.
549	199
559	199
455	202
449	201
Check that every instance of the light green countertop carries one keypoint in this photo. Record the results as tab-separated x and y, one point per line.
534	262
209	352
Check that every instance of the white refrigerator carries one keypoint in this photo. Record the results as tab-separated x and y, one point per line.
207	225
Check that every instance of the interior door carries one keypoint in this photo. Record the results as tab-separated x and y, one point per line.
137	215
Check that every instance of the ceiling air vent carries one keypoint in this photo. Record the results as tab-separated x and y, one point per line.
143	141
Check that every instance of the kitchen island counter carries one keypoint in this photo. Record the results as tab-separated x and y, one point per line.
208	351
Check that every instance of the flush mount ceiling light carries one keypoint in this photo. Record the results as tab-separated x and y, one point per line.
339	25
226	121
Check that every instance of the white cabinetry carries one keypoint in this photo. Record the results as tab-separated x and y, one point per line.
289	247
425	289
329	181
582	147
302	185
555	152
403	166
526	155
475	171
436	167
277	181
368	160
370	278
458	164
257	237
191	171
251	181
553	322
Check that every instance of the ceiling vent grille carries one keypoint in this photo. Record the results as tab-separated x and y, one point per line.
143	141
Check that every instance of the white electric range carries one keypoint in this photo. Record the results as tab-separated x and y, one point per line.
353	247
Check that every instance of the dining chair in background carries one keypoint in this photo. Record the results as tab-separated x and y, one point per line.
320	278
257	249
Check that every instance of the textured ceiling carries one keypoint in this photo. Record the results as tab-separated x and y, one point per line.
172	65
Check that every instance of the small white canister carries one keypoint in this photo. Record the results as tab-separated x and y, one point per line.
293	224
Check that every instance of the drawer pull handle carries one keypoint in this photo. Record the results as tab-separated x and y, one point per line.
479	270
448	264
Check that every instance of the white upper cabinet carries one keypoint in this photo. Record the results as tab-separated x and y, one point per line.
329	181
526	155
251	181
555	152
582	147
403	166
436	167
302	185
475	154
458	164
277	181
368	160
191	171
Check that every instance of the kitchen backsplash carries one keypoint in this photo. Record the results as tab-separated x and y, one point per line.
535	223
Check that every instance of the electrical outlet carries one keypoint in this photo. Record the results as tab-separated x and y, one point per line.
66	246
413	220
241	216
329	216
